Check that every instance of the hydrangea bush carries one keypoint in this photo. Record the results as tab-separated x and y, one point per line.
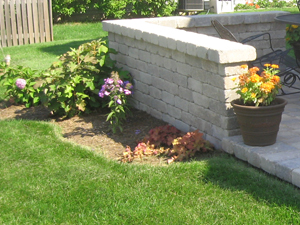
20	83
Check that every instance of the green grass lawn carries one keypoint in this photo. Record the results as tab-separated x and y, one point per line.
44	180
41	55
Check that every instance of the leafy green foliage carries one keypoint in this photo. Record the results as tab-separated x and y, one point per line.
72	84
30	94
115	9
169	141
69	7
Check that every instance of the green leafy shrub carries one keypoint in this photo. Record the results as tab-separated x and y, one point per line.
114	9
63	8
28	94
72	84
153	8
169	141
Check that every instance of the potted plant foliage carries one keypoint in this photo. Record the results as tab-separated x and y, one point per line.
293	38
258	110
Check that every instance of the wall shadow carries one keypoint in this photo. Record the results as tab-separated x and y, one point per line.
59	49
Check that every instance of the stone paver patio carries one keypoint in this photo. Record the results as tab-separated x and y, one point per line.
281	159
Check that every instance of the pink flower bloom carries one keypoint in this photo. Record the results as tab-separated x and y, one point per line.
127	92
21	83
101	94
119	101
109	80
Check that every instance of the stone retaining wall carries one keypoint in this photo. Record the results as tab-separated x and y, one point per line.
183	72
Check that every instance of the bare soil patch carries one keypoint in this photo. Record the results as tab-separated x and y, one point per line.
93	131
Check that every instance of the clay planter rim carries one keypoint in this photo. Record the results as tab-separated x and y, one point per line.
238	104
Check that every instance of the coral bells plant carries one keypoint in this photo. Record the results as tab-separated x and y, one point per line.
118	92
169	141
258	90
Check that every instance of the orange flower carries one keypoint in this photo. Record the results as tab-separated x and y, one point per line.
257	6
255	78
255	89
275	79
267	87
245	66
253	70
244	90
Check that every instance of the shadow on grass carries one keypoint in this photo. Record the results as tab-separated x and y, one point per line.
232	174
59	49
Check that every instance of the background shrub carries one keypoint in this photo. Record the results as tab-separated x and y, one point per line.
114	9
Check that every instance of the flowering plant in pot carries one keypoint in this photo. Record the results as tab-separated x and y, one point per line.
293	38
292	34
258	90
258	110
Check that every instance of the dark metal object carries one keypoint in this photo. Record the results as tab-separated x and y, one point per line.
191	5
226	34
289	19
289	66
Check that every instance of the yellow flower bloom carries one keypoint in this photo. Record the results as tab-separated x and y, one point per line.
295	26
259	89
255	78
245	66
267	87
233	79
244	90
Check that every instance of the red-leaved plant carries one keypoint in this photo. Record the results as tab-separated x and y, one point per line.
169	141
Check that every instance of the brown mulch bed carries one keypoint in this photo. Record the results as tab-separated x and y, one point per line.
90	130
93	131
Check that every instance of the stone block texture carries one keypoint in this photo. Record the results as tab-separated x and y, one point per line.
183	71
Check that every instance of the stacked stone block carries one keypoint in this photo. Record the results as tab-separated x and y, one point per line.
183	77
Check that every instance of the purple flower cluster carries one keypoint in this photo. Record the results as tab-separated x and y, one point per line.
21	83
115	89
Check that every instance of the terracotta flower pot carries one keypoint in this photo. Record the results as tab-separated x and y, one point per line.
259	125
